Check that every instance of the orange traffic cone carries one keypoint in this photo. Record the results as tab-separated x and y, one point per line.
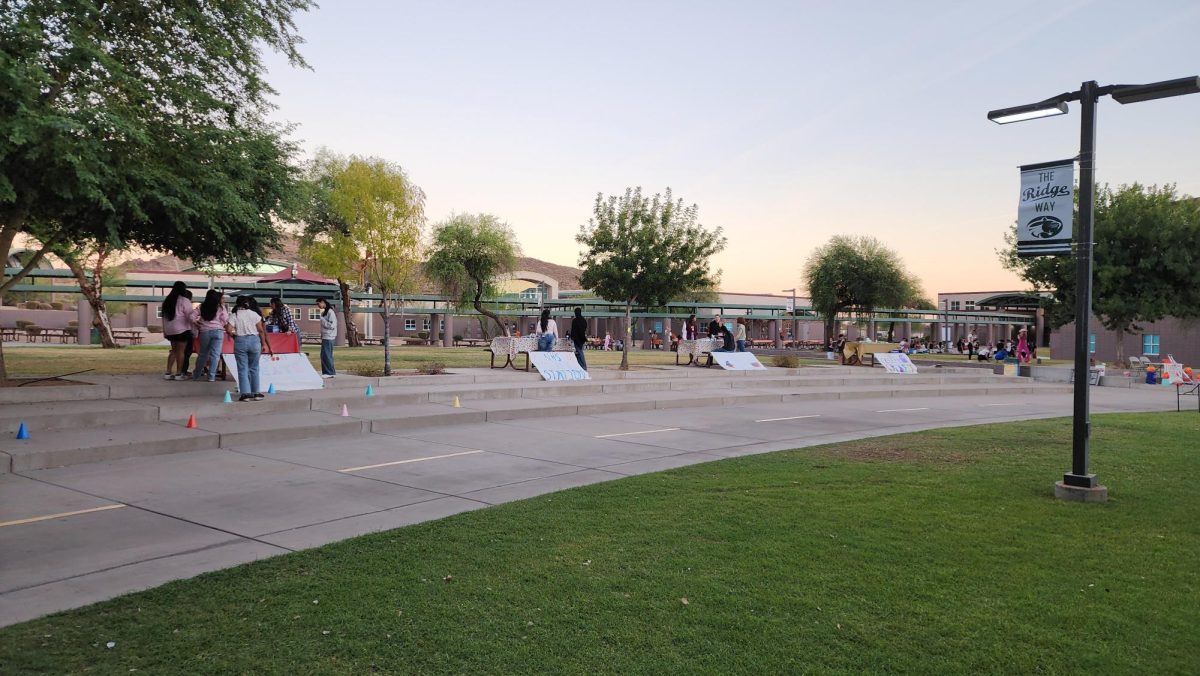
191	423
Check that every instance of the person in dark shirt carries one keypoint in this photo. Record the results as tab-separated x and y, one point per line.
714	327
578	336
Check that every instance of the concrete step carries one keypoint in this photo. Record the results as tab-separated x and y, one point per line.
396	418
245	430
83	445
66	415
177	409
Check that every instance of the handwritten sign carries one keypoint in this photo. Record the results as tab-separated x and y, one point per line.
1046	207
558	366
896	362
738	361
287	372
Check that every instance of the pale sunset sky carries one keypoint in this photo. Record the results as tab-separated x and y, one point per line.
787	122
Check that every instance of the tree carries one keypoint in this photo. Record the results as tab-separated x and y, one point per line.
468	256
1146	262
88	262
858	274
384	212
645	251
325	242
137	123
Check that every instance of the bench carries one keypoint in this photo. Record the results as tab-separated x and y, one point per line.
694	349
510	347
134	336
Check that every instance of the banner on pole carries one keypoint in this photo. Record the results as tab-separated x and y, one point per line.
1044	215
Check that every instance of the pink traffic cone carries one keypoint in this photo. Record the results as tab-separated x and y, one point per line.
345	411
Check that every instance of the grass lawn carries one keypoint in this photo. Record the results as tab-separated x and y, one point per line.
938	552
41	361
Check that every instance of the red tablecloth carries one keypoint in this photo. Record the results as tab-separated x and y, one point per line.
281	343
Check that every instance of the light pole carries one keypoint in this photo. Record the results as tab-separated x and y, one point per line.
795	323
1079	484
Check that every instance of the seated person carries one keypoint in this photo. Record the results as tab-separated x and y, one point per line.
1000	355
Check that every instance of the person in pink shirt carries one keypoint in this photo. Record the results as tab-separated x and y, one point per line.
1023	353
177	316
210	324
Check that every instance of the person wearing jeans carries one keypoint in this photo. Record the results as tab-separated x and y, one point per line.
329	328
579	336
249	341
210	327
547	332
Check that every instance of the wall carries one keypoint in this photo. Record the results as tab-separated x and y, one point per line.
1176	337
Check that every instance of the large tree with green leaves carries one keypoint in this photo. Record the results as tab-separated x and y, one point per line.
325	242
646	251
856	274
1146	261
141	122
468	255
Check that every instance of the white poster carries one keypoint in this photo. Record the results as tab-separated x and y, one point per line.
286	372
896	362
558	366
738	361
1046	207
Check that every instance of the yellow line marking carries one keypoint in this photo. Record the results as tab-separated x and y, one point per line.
405	462
625	434
35	519
795	417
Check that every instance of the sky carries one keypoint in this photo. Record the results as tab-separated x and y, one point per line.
786	122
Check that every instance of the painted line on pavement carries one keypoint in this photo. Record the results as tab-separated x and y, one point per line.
794	417
625	434
35	519
405	462
902	410
1013	404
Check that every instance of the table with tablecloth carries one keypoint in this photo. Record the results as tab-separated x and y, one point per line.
853	352
509	347
695	348
281	343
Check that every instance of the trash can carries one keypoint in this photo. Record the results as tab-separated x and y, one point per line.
94	336
1150	372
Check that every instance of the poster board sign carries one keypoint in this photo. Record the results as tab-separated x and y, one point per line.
287	372
558	366
896	362
1173	373
738	361
1044	214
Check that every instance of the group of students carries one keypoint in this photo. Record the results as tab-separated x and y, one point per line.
546	330
1023	350
183	324
731	341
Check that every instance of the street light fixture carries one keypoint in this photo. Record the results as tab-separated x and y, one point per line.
1079	484
795	322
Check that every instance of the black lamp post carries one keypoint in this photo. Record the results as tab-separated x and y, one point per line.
1079	484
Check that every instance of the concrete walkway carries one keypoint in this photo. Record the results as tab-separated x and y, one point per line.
74	535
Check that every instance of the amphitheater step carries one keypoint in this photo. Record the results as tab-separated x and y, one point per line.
55	448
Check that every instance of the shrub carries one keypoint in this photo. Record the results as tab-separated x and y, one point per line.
423	335
45	306
154	328
23	323
457	338
73	322
367	371
785	361
33	330
56	305
431	368
71	331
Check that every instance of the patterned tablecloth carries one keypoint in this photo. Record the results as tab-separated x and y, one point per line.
695	348
506	346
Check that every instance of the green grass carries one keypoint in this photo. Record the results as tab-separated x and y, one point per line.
41	361
938	552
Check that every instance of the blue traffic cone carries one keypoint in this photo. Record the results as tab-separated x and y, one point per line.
228	397
370	391
271	388
22	432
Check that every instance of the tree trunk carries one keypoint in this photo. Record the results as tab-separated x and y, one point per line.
93	291
487	313
387	340
628	336
1122	361
829	328
352	338
483	329
891	331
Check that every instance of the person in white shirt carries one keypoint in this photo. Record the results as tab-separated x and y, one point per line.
547	332
249	342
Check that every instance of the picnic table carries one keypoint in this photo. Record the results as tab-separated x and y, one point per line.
854	352
132	335
694	349
509	347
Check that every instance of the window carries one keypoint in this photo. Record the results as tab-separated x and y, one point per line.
410	325
158	311
1092	343
314	314
955	305
442	325
1150	344
970	306
424	324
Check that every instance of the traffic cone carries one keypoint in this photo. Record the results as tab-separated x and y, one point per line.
345	411
228	397
271	388
191	423
22	432
456	404
370	391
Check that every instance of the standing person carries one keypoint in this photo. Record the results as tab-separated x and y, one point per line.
579	336
1023	355
210	324
282	318
329	328
715	327
249	342
177	315
547	332
689	328
740	336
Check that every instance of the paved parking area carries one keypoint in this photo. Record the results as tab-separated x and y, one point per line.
75	535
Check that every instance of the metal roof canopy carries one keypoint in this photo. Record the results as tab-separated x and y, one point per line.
1023	301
